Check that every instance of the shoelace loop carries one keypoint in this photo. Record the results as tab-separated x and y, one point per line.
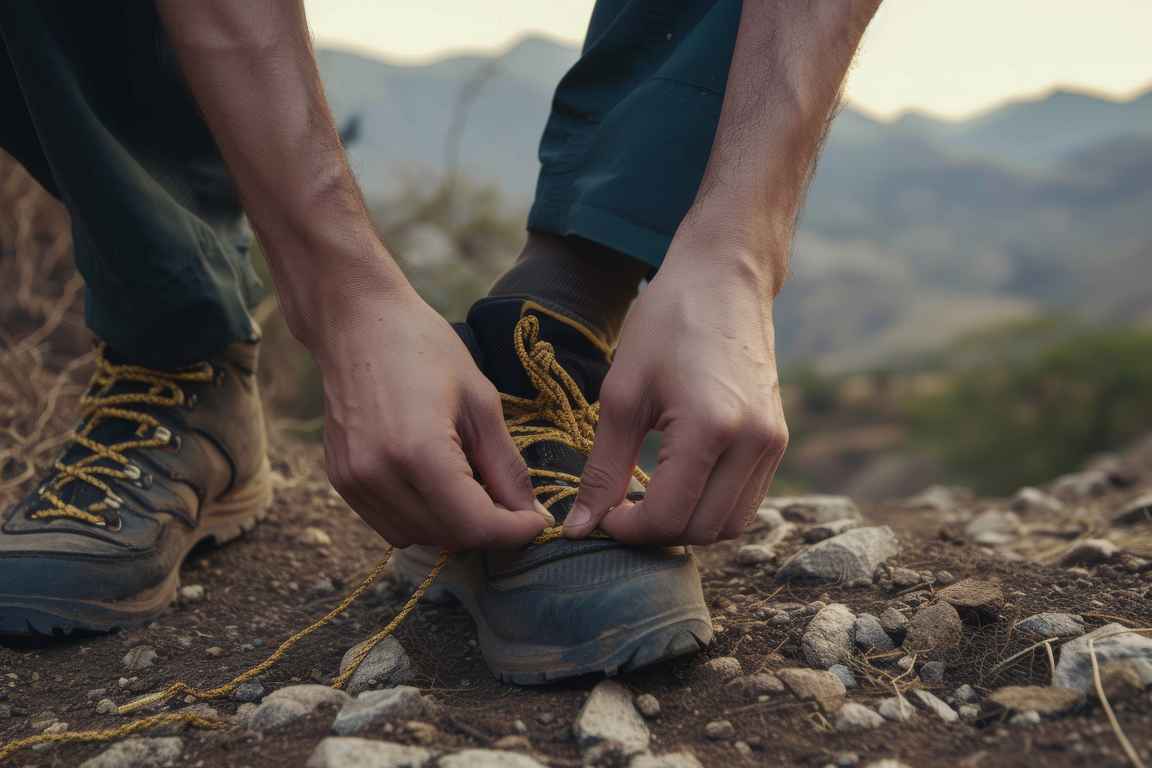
164	390
559	413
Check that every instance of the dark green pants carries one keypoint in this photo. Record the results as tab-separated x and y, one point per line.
93	105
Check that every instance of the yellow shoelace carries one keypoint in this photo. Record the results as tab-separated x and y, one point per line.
164	390
559	413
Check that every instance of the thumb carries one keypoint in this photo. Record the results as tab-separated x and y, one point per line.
497	461
608	471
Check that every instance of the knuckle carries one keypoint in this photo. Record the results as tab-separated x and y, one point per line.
597	478
667	529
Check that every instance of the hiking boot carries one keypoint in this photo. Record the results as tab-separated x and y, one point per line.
160	461
563	608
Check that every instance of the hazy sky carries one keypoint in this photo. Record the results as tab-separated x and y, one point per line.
949	57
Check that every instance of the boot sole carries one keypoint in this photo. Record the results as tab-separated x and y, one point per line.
627	648
226	519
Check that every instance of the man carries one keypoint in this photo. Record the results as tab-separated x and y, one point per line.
679	144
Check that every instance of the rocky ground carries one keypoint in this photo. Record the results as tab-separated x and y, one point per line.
941	630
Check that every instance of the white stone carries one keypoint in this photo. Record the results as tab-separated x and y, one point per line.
192	593
1051	624
316	537
852	555
488	758
138	753
896	709
856	717
350	752
669	760
286	705
610	716
770	517
993	527
828	638
138	658
1111	642
372	708
933	704
755	554
386	665
815	509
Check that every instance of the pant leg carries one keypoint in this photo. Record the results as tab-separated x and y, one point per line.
95	107
633	121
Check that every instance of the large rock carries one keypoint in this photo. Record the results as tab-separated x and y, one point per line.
853	555
828	638
1111	643
811	510
869	634
610	716
817	685
934	627
373	708
350	752
289	704
385	665
1052	624
488	758
1037	698
138	753
976	601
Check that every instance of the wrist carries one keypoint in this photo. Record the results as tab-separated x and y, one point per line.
746	248
331	281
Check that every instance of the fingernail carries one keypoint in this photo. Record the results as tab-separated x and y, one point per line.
578	517
544	513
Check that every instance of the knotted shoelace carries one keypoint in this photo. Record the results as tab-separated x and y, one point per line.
559	413
164	390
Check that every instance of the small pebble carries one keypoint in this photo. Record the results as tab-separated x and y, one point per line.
192	593
648	705
719	730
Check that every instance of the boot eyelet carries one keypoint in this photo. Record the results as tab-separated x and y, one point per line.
175	443
114	524
144	482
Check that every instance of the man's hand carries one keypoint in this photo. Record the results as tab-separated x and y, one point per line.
696	362
408	418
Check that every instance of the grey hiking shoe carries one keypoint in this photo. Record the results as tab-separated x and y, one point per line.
161	461
564	608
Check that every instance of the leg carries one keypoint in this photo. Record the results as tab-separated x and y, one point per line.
170	449
109	127
623	152
625	148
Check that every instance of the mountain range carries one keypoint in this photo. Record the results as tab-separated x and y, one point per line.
915	230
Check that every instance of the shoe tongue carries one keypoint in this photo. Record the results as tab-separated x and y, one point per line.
579	349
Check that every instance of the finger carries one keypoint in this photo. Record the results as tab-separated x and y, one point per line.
623	424
751	497
686	463
470	518
494	456
722	492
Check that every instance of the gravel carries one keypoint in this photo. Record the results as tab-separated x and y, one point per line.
349	752
869	634
934	627
855	554
138	753
1111	643
371	709
857	717
609	715
1052	624
386	665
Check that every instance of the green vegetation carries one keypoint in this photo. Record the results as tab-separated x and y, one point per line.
998	426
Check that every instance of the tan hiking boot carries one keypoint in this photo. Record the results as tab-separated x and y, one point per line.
161	461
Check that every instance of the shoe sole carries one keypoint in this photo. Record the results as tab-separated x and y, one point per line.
627	648
226	519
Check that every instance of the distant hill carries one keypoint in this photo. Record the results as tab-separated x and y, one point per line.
915	229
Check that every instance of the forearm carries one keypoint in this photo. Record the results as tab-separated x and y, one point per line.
250	66
783	86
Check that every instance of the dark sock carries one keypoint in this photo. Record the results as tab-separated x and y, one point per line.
589	281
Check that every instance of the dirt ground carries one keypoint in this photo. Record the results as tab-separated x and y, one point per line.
270	583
